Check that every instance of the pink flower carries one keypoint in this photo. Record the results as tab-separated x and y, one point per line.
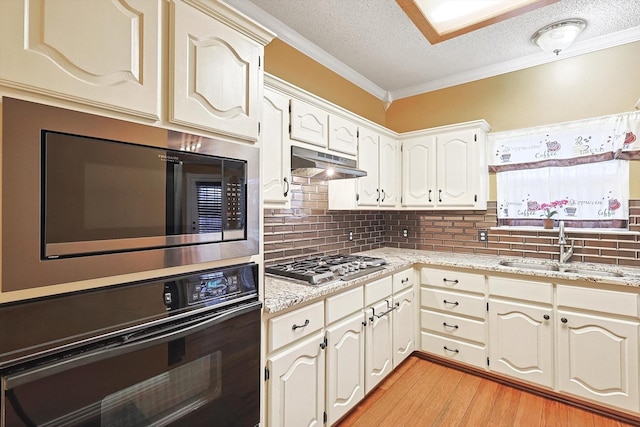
550	208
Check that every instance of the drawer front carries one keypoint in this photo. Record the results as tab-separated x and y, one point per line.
454	303
453	326
344	304
602	300
453	280
526	290
454	349
403	280
378	290
297	324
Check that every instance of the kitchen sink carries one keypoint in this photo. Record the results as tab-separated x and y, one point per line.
529	265
562	269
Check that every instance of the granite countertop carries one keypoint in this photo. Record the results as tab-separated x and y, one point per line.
281	294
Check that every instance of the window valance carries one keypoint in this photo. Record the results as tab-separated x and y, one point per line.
567	144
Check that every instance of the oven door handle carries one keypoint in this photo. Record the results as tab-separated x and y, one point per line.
128	344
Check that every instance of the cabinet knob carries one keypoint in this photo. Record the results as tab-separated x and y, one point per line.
546	317
564	320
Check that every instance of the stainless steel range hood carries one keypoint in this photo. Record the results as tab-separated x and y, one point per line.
319	165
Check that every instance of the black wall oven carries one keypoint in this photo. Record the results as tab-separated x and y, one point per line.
87	197
181	351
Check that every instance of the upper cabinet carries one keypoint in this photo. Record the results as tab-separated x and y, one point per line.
276	149
309	123
445	168
343	135
109	55
102	53
378	155
216	56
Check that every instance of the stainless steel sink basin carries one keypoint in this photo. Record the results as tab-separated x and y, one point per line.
529	265
562	269
586	272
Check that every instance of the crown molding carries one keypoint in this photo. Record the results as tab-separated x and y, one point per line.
592	45
289	36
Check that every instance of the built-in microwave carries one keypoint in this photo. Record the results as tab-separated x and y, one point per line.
86	197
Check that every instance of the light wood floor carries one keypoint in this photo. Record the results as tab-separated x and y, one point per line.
423	393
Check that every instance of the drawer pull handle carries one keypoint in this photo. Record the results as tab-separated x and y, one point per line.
405	280
454	303
546	317
294	327
446	325
455	350
445	280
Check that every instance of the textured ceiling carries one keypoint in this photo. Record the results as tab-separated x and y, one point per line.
374	44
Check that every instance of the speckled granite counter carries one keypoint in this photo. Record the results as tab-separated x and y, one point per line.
281	294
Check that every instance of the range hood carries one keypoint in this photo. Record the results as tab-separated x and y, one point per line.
318	165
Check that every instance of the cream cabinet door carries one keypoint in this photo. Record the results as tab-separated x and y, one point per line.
368	189
457	169
343	135
419	172
296	385
378	344
98	52
216	83
309	123
521	341
598	358
345	366
276	149
388	171
403	326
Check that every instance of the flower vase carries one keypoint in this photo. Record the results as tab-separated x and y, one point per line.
548	223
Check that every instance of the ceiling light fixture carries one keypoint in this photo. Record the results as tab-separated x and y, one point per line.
559	35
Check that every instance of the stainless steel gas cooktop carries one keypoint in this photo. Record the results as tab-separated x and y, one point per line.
320	270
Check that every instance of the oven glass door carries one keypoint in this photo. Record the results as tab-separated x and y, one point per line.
202	373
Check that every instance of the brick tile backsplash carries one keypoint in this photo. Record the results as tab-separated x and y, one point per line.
308	229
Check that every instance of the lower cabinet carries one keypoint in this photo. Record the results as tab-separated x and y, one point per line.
345	366
598	346
453	315
521	333
296	384
378	356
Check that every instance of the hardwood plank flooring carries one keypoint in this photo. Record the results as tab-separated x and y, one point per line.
421	393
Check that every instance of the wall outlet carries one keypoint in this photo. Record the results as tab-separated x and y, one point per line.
405	232
483	235
350	235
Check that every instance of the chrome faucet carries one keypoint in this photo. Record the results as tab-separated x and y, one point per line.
565	255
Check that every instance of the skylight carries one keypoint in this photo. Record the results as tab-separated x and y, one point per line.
441	20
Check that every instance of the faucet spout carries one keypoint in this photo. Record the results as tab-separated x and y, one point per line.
565	253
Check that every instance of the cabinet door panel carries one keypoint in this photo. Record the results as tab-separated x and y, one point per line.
309	123
217	80
598	358
520	341
343	135
378	343
456	184
368	189
388	171
296	385
96	52
403	326
276	154
345	366
418	172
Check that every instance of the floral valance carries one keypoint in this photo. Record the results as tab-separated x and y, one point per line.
567	144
